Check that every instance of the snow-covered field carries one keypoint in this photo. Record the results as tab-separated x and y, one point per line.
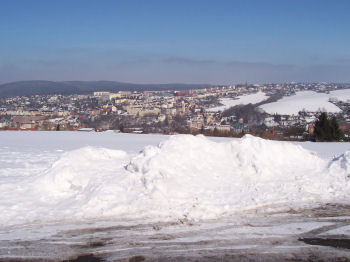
52	182
308	100
240	100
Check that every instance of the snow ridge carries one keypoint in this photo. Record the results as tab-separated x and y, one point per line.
184	177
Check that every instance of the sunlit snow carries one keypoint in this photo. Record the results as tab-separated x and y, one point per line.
57	175
240	100
308	101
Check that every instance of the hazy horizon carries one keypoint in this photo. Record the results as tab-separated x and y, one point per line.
148	42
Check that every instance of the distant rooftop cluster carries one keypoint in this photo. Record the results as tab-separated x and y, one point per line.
231	110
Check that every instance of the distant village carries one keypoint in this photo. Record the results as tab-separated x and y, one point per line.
169	112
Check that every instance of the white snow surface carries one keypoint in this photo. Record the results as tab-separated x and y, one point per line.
183	177
240	100
308	100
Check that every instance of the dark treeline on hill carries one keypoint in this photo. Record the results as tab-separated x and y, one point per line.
39	87
249	113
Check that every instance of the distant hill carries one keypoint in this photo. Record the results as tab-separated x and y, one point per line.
40	87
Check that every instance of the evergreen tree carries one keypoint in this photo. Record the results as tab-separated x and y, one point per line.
322	128
121	127
337	133
327	130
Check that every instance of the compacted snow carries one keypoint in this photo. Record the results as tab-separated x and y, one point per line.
307	100
53	176
240	100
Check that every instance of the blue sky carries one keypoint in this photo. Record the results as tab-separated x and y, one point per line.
200	41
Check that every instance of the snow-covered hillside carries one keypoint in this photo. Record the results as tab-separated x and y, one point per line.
240	100
308	100
52	176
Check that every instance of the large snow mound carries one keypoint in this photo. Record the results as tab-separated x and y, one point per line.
185	176
207	179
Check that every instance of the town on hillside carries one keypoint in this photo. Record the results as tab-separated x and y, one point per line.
197	111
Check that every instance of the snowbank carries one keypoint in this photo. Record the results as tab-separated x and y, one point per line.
185	176
207	179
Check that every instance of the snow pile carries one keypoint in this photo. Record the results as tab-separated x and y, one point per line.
206	179
80	170
71	187
342	163
185	176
